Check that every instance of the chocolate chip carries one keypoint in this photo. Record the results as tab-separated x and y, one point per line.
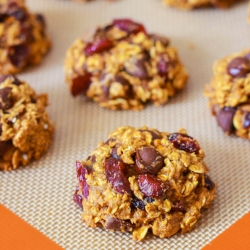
118	225
163	65
14	80
149	199
148	160
208	183
137	203
177	206
247	120
114	153
40	19
239	67
18	54
225	119
154	134
137	67
5	146
163	40
5	98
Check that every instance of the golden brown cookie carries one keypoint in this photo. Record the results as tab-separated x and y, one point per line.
25	128
124	67
229	93
22	35
143	180
192	4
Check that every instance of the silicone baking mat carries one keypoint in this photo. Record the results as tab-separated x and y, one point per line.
41	193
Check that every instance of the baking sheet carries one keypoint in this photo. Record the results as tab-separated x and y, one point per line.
42	192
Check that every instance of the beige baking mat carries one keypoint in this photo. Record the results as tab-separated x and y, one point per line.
42	192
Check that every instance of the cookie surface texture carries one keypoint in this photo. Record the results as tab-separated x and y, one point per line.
124	67
25	128
143	180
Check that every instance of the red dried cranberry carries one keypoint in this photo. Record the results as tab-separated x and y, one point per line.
184	142
98	46
148	160
77	198
116	174
81	172
118	225
5	146
225	119
80	84
209	184
5	98
129	26
247	120
239	67
177	206
150	186
18	55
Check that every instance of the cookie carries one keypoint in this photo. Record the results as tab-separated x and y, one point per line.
124	67
229	94
191	4
143	180
22	35
25	128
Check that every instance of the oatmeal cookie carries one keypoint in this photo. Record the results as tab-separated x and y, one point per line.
229	93
124	67
23	38
192	4
25	128
143	180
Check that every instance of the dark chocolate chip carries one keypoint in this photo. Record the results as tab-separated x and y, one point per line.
163	40
137	67
114	153
247	120
239	67
18	55
208	183
5	98
177	206
118	225
40	18
137	203
154	134
225	119
149	199
148	160
5	146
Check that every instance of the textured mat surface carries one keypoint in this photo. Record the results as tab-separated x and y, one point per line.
42	193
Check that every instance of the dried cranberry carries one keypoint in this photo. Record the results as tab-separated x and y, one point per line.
116	174
5	146
150	186
129	26
5	98
163	66
118	225
98	46
154	134
177	206
80	84
247	120
81	172
18	55
77	198
137	203
239	67
225	119
148	160
184	142
208	183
